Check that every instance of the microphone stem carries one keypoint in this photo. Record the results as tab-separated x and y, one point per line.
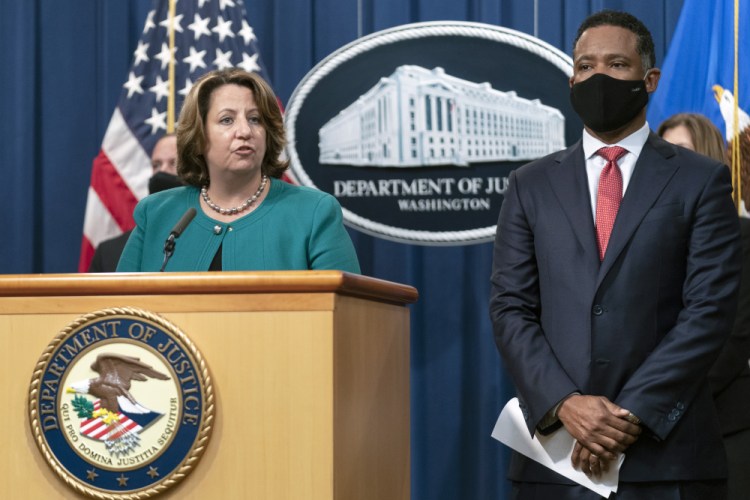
168	251
164	264
174	234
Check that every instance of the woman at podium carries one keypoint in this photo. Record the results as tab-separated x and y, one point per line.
235	213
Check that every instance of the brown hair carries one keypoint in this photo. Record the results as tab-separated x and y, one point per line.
706	137
191	129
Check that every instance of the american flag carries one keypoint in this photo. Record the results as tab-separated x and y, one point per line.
207	35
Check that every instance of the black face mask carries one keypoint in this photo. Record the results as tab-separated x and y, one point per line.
161	181
605	103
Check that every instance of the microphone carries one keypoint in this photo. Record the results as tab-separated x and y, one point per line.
174	234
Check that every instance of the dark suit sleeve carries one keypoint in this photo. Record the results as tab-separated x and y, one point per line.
515	314
96	265
733	359
665	384
108	253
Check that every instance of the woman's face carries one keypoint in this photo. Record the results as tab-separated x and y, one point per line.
679	135
235	138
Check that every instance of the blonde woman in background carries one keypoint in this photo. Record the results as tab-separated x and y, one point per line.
695	132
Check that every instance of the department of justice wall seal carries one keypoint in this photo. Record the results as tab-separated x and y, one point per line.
415	129
121	404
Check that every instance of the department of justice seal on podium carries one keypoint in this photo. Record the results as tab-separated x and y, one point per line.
121	404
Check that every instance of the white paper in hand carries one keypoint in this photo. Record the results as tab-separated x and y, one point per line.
552	451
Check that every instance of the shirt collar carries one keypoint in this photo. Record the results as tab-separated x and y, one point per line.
633	143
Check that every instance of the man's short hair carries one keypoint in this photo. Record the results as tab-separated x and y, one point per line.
644	41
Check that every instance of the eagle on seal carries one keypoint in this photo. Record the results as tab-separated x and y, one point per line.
112	386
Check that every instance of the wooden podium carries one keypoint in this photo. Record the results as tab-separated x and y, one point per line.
310	371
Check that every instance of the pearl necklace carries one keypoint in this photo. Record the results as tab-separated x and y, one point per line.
235	210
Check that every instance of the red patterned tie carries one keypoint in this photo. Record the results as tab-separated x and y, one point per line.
608	196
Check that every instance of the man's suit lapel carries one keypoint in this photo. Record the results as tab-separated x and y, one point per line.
570	184
650	176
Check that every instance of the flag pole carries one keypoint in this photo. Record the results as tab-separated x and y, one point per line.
736	158
170	97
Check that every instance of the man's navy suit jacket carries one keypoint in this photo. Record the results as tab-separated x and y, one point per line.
643	326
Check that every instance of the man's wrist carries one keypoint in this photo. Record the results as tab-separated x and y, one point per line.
557	407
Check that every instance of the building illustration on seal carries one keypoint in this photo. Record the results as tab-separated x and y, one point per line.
418	117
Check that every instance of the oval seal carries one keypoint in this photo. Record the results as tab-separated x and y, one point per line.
415	129
121	404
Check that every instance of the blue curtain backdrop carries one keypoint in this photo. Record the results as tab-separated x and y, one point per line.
63	64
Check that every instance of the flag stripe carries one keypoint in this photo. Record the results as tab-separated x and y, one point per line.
99	223
87	255
127	155
96	428
123	428
113	193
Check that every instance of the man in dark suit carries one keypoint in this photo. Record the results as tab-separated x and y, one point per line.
615	276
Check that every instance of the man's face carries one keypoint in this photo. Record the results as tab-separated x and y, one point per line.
164	155
610	50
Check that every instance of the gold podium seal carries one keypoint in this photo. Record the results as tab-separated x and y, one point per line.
121	404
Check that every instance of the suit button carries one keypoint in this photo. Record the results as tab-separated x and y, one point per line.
598	310
680	406
671	417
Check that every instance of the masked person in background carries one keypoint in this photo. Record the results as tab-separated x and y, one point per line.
614	285
164	164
